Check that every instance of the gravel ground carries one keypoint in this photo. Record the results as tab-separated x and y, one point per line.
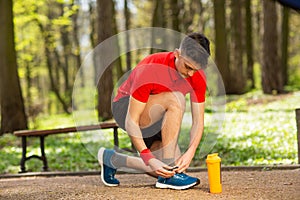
274	184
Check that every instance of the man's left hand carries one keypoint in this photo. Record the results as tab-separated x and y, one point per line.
184	161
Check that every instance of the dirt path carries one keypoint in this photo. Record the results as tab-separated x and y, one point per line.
276	184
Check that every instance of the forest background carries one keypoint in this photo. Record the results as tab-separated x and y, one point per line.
255	45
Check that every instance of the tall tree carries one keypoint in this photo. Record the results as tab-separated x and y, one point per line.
106	28
189	10
249	40
127	27
13	115
202	19
174	19
66	45
271	70
221	42
174	11
284	43
93	31
158	20
238	79
257	15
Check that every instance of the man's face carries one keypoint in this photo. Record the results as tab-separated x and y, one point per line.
185	66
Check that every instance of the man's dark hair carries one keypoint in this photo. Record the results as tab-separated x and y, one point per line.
196	47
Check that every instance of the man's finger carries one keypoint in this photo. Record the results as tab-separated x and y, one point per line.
181	168
173	168
165	173
167	167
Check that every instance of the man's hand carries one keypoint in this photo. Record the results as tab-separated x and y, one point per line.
160	168
184	161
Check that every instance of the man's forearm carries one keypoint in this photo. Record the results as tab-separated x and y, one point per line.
197	126
195	137
135	135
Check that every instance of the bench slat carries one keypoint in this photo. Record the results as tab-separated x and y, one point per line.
65	130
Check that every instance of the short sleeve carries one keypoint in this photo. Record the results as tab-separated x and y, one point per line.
142	93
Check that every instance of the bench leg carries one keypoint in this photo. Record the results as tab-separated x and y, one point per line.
23	159
116	143
116	138
43	157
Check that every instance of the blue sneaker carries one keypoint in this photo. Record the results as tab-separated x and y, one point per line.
179	181
108	171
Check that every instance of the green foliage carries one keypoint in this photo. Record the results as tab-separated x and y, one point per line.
261	138
55	121
265	134
66	152
10	154
238	105
294	73
258	129
41	24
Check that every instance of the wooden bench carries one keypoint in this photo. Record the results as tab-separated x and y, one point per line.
43	133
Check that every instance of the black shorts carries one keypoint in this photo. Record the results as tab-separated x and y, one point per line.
150	134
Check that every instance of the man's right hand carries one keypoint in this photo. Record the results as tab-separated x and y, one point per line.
160	168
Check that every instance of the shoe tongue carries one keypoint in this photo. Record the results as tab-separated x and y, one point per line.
181	175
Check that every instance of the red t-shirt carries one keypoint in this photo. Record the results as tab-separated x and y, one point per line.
156	74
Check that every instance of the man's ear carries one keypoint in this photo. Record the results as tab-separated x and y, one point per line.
176	53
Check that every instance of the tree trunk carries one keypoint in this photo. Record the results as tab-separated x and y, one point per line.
66	50
127	27
174	10
189	9
202	19
238	81
158	20
93	33
258	32
105	29
76	39
77	51
284	44
13	115
271	70
221	42
118	71
249	46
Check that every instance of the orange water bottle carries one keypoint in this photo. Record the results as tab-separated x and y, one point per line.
213	162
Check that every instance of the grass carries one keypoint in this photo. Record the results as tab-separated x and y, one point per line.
257	130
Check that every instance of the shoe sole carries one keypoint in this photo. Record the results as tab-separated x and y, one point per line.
166	186
100	160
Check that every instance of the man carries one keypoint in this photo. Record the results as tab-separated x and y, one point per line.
150	105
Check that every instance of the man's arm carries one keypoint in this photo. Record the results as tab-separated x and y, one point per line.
195	136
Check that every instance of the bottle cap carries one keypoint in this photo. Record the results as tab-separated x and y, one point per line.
213	158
